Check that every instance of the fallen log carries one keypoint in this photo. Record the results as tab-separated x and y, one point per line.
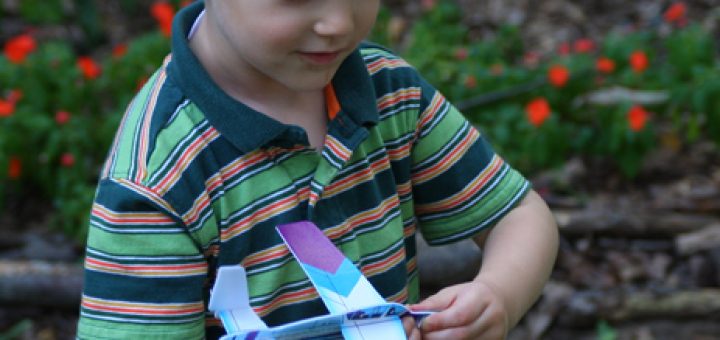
617	94
40	283
617	222
705	239
446	265
48	284
677	305
9	240
585	308
539	319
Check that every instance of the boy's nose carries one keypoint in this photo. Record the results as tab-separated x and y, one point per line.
336	19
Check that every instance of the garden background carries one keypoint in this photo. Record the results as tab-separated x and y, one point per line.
611	107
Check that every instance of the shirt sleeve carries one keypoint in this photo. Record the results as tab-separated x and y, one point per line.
460	185
144	273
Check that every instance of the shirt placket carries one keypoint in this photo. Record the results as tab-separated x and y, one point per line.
294	144
342	139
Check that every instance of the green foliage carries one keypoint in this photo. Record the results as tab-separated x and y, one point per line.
492	81
42	11
382	31
64	122
689	50
605	331
18	330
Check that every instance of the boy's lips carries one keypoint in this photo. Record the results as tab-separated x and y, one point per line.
320	58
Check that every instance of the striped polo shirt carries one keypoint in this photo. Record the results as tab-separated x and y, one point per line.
195	180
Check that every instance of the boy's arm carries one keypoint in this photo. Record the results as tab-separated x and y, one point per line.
518	256
144	273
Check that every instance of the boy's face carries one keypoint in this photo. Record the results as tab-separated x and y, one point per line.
295	43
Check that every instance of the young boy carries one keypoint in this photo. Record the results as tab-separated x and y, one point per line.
273	111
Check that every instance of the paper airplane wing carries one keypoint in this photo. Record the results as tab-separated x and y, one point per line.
340	284
230	302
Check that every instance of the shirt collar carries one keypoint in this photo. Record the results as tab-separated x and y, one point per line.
244	127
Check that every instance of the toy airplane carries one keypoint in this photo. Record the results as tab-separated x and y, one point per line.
357	311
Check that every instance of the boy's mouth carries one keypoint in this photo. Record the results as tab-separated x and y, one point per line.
320	58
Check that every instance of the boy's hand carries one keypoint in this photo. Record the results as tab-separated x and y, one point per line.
509	281
473	310
411	330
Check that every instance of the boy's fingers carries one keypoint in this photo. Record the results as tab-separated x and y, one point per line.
474	330
408	324
440	320
492	322
459	333
450	333
439	301
411	330
415	335
457	315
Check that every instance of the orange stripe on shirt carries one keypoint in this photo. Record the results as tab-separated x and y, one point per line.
123	307
471	189
288	298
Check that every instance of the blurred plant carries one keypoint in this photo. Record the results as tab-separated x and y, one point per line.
610	98
58	113
607	98
605	331
163	12
17	48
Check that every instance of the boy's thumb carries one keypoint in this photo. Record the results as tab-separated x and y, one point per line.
428	323
435	302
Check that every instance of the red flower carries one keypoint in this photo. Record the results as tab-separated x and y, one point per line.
163	12
558	75
18	48
605	65
14	168
427	5
89	68
67	160
675	13
497	69
531	59
639	61
140	83
584	45
470	82
14	96
538	111
62	117
637	118
119	50
7	106
461	53
564	48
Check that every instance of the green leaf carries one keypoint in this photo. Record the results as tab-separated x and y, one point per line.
605	331
42	11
